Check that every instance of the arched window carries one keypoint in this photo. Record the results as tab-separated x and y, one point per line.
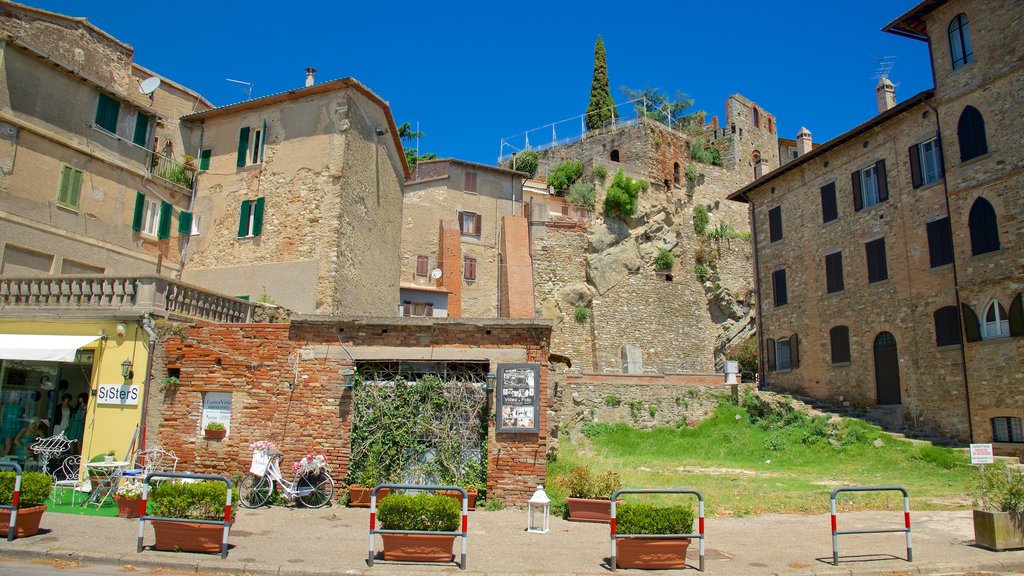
996	324
675	173
614	156
960	49
755	117
755	158
771	127
984	229
970	132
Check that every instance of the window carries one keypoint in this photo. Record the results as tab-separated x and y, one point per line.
470	182
839	338
1007	429
469	268
970	134
784	353
984	229
250	221
151	217
925	163
870	186
781	298
878	268
960	49
106	113
422	265
188	224
614	156
755	159
794	153
940	242
755	117
250	145
420	309
947	326
834	272
996	324
70	190
775	224
141	129
204	159
829	209
469	224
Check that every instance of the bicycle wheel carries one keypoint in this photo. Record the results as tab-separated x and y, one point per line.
322	490
254	491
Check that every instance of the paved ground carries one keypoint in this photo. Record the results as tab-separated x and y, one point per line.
334	541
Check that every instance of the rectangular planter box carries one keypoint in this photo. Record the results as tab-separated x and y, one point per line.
651	553
999	530
185	536
470	498
359	497
418	547
587	510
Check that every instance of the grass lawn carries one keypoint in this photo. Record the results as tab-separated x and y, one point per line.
748	462
63	505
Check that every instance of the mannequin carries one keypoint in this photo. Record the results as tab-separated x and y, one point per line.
10	423
62	417
76	423
36	428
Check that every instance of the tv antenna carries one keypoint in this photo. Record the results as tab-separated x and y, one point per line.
248	84
885	66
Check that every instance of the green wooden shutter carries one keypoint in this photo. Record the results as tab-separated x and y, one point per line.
243	146
972	328
243	220
257	218
204	159
106	113
65	186
164	231
185	223
1017	316
140	205
141	129
263	142
75	192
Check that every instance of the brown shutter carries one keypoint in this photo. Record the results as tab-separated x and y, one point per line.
1017	316
915	165
421	265
858	202
794	351
459	216
406	308
771	354
430	309
972	329
883	182
476	225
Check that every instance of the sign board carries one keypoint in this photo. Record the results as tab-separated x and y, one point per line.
216	408
982	454
518	398
118	394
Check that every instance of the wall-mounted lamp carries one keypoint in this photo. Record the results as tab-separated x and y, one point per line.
126	369
348	376
121	330
491	379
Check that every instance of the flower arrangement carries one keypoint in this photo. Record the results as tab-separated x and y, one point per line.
130	490
262	446
312	464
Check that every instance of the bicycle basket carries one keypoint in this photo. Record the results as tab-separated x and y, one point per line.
260	462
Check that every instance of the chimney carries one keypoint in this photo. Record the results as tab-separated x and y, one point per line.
803	141
310	76
885	93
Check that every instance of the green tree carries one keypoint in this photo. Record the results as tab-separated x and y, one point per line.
670	112
601	108
526	161
406	133
620	199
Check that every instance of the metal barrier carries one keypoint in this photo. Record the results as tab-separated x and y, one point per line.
906	519
463	534
226	522
15	498
700	526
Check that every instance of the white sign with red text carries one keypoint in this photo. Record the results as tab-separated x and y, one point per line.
981	454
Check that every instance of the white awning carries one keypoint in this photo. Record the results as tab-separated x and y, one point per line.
41	347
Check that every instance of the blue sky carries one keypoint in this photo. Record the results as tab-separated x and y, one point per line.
472	73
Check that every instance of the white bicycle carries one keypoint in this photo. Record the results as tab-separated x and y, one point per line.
311	489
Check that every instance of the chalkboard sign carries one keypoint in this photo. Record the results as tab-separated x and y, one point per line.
518	397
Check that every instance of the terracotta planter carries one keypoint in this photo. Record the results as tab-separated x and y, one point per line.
27	523
359	497
999	530
128	507
651	553
587	510
215	434
418	547
185	536
470	496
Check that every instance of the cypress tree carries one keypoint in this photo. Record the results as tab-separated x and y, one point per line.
601	108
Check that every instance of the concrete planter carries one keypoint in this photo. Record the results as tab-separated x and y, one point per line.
27	523
418	547
651	553
999	530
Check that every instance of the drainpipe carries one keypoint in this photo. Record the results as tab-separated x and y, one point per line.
762	353
147	326
192	200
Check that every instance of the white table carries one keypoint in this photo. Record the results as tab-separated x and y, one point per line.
106	486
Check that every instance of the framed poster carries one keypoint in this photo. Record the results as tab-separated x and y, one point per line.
518	398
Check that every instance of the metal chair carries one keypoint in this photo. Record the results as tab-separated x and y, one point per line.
153	459
67	476
48	448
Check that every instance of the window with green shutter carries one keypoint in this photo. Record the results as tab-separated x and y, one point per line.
141	129
204	159
140	206
106	113
185	223
164	230
70	190
250	219
243	146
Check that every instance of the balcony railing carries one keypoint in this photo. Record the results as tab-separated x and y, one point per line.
123	295
180	173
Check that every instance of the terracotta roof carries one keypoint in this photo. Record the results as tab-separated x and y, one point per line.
423	288
911	24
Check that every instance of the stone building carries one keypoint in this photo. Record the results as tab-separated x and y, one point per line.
889	265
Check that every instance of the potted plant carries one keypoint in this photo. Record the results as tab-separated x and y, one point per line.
215	431
361	486
589	498
999	524
423	512
652	553
129	499
472	492
191	501
35	489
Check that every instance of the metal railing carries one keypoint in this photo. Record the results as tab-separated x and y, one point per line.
906	519
15	498
700	527
167	168
463	533
226	522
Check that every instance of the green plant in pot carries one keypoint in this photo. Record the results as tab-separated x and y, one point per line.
97	473
361	484
184	502
589	498
999	515
35	489
215	430
423	512
650	519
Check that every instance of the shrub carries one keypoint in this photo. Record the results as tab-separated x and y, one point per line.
565	174
35	489
494	504
664	261
700	219
582	483
1001	488
193	501
701	271
420	512
582	193
214	426
581	314
612	401
701	152
634	518
620	200
691	173
600	172
746	354
526	161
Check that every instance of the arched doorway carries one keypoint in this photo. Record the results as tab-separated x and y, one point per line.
887	369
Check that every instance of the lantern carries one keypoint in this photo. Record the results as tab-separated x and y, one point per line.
538	511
